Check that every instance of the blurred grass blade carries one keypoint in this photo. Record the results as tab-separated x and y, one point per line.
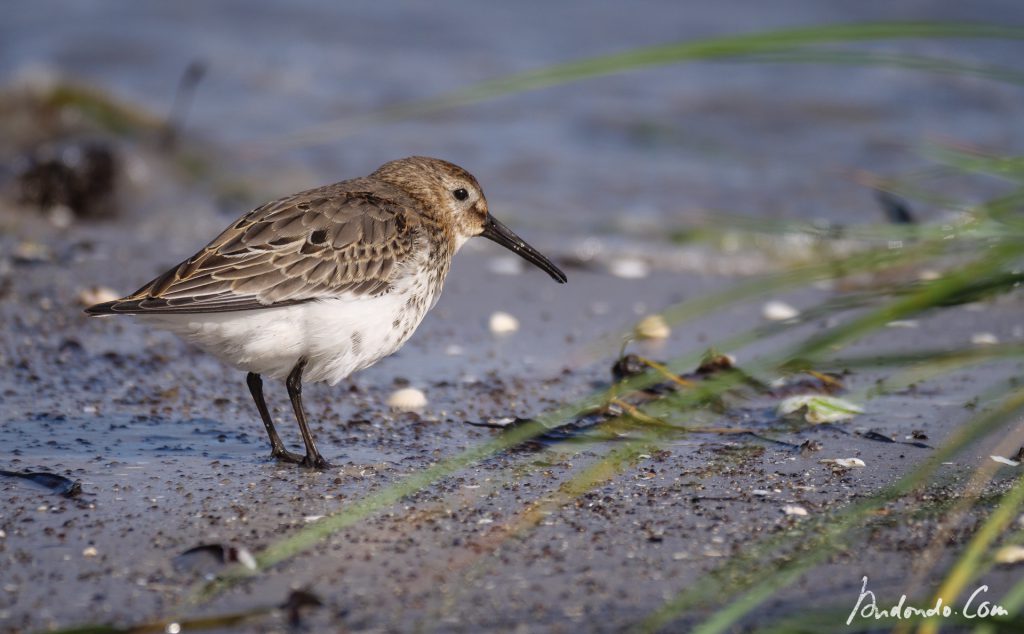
890	60
831	529
971	160
726	47
968	566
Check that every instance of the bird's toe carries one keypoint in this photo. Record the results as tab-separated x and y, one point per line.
283	455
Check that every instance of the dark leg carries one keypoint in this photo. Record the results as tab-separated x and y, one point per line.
277	449
313	458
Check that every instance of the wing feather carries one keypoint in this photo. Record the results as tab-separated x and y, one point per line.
334	240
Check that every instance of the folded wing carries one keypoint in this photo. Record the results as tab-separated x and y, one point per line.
315	244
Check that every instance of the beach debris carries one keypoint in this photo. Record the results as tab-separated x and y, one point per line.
984	339
183	96
90	551
1010	554
57	483
78	175
407	399
500	422
793	509
502	323
877	436
896	208
297	601
808	447
777	310
627	366
207	560
819	408
713	362
29	252
652	327
96	295
629	268
1006	461
846	463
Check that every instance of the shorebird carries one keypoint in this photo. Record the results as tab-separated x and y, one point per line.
326	282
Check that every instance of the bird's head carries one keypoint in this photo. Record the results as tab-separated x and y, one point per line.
454	194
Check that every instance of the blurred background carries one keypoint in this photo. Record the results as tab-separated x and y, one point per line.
777	180
284	87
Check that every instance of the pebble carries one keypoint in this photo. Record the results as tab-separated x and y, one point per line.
653	327
793	509
407	399
503	323
90	551
779	311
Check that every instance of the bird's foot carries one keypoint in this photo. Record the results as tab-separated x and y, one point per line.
283	455
315	462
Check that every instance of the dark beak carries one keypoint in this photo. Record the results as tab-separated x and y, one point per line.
494	230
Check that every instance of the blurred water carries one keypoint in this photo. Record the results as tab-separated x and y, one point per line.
773	140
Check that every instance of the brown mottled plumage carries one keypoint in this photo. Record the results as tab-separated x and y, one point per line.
324	282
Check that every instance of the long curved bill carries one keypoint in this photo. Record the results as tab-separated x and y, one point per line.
494	230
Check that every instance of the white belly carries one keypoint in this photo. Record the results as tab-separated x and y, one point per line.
336	336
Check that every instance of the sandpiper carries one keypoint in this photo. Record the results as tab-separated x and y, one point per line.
320	284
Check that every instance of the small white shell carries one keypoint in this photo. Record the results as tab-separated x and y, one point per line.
245	558
1010	555
96	295
793	509
984	339
653	327
503	323
407	399
844	462
1006	461
629	268
779	311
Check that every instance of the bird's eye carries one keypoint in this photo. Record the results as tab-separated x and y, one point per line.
460	194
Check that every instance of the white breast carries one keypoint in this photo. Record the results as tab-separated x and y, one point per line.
337	336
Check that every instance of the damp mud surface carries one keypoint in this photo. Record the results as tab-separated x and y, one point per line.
156	469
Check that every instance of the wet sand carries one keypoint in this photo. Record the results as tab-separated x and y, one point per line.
170	452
